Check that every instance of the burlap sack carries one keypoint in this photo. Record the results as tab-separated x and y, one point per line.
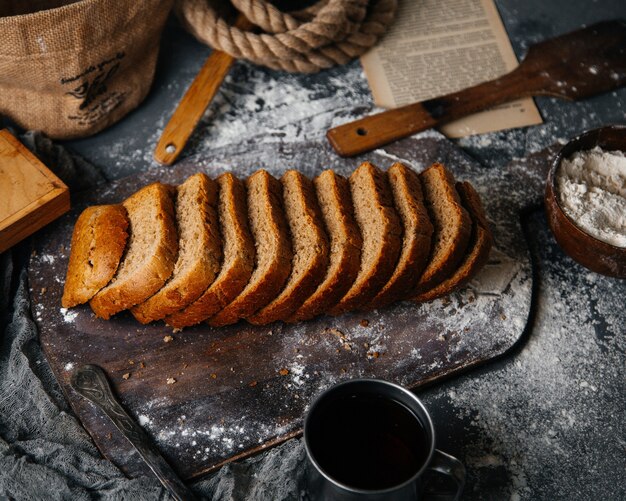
78	66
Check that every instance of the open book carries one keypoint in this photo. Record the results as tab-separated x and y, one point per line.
440	46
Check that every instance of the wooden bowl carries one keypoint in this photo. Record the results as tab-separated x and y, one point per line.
592	253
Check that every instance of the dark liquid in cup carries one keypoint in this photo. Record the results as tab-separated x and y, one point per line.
368	442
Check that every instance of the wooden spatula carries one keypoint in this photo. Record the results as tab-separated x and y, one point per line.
580	64
195	102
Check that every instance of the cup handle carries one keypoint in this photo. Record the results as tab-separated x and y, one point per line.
451	467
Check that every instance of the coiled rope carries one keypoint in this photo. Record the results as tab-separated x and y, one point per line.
328	33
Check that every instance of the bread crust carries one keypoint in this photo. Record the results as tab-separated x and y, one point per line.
478	250
273	255
446	213
129	289
370	190
98	242
345	255
416	239
199	257
303	216
237	268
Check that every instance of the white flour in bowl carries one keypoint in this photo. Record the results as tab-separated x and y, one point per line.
591	188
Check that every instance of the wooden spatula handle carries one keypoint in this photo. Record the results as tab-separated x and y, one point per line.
377	130
195	102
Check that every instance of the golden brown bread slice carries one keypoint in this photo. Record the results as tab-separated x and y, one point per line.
150	253
417	233
238	256
452	226
273	250
309	243
199	254
98	242
478	250
333	194
381	231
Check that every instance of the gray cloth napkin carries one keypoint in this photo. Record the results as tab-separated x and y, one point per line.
45	453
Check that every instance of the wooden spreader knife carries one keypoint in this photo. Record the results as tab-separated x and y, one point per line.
195	102
573	66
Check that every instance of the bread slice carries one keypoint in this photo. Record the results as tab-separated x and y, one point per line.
98	242
199	255
150	253
310	249
273	250
381	231
451	222
238	259
417	233
478	250
333	195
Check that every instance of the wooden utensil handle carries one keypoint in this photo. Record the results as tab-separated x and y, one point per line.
195	102
377	130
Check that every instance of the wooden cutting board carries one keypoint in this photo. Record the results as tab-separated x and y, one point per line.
241	389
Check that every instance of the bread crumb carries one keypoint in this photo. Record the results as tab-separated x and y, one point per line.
214	376
44	290
130	362
176	330
343	339
126	376
168	338
364	322
171	380
109	435
252	384
283	372
142	365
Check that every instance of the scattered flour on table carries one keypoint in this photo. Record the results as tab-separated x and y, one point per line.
591	189
525	418
48	258
68	315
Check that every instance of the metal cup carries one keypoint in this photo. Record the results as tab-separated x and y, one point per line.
321	485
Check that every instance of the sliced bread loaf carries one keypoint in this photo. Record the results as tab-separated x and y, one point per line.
150	253
98	242
478	249
309	244
273	250
238	259
200	250
333	195
381	231
417	233
451	222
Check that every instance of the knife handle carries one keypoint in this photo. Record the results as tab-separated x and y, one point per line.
195	102
91	382
377	130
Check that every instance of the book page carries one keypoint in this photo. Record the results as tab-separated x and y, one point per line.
436	47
